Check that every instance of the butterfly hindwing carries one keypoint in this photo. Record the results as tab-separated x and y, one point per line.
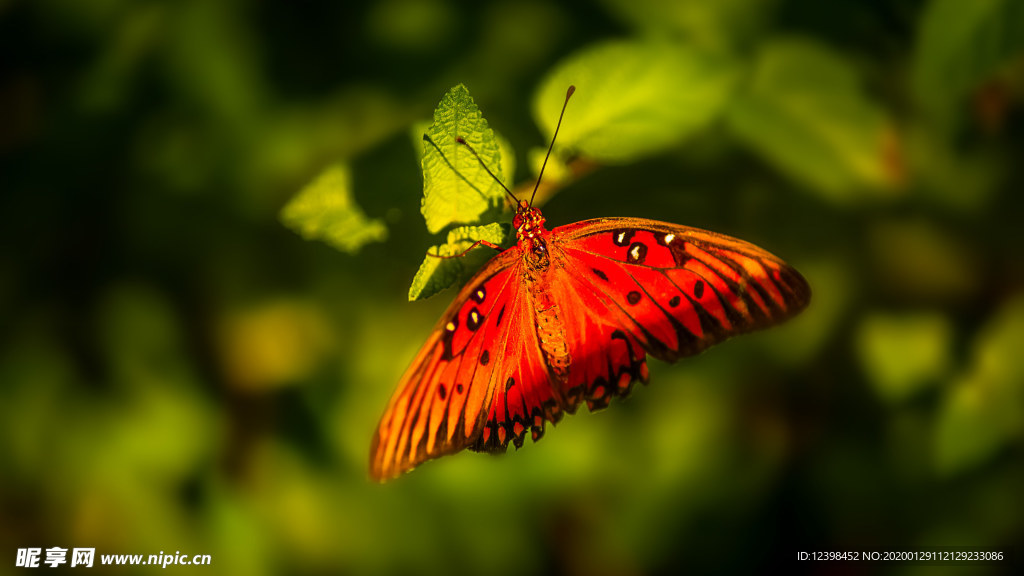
523	397
606	356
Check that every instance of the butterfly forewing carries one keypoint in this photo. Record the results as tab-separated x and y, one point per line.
441	401
684	288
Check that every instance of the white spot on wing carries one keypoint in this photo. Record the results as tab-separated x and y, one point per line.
669	238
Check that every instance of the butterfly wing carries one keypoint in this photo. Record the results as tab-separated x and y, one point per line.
472	378
666	289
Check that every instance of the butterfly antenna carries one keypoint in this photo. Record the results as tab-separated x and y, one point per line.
459	139
462	141
568	93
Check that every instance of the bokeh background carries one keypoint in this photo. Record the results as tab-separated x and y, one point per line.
181	372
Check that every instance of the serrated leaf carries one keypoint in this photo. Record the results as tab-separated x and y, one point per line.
806	113
436	274
324	210
959	45
456	187
633	98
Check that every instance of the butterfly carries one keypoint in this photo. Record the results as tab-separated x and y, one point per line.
567	316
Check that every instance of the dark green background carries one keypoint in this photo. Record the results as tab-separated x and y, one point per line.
180	372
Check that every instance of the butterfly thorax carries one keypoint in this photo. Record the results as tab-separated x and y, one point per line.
528	222
530	232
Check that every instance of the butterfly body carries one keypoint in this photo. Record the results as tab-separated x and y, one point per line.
568	315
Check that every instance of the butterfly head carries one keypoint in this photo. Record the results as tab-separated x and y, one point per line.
528	221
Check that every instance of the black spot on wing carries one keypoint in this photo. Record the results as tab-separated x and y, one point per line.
622	237
677	248
637	253
600	274
446	339
474	319
480	294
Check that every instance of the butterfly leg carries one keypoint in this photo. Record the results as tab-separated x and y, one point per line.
466	251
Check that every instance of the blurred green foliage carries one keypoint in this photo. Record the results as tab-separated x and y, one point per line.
806	112
635	97
180	371
324	210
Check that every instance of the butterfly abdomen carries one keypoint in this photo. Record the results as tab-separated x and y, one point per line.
549	325
551	333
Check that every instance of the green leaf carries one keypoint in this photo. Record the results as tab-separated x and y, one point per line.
436	274
456	187
903	354
984	409
508	155
959	46
633	98
806	113
324	210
